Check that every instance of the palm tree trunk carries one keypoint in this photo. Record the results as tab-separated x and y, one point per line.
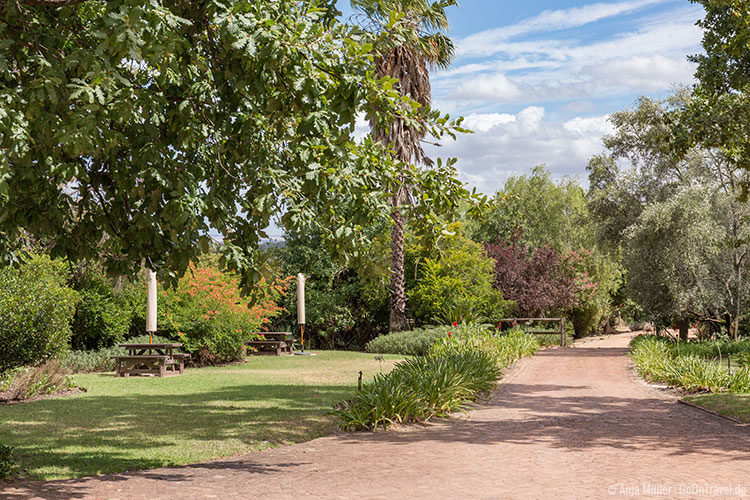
398	290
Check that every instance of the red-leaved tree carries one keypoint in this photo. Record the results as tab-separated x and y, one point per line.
534	278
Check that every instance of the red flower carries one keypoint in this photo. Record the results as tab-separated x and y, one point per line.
450	335
455	323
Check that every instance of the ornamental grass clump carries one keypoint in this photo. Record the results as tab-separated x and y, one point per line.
42	379
456	371
679	365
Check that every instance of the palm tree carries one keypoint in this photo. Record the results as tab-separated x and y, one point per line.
419	43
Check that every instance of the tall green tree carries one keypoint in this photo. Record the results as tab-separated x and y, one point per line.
130	129
670	253
537	211
719	115
647	164
416	41
642	165
347	305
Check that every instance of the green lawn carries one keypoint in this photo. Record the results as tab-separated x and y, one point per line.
137	423
731	405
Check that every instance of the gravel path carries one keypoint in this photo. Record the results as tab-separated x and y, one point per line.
567	423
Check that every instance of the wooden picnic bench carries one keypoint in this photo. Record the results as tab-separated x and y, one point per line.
150	359
273	343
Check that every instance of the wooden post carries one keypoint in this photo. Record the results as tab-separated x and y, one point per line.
562	332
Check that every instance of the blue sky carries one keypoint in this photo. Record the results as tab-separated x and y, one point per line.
536	79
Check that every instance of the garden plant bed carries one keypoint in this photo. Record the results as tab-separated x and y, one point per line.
6	397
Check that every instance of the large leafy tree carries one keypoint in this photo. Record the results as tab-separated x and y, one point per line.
413	44
719	115
130	129
533	278
647	165
641	165
538	211
670	252
347	304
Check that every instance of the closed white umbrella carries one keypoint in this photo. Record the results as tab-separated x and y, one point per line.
301	307
151	305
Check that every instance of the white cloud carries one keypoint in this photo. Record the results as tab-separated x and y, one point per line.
507	145
650	59
645	73
574	73
530	119
495	87
361	127
482	122
580	106
485	43
584	127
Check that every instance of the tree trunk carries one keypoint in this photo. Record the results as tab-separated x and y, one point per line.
684	325
398	291
734	328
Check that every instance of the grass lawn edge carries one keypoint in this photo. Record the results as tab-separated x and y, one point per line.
732	406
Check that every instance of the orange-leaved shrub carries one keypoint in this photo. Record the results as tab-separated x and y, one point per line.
208	314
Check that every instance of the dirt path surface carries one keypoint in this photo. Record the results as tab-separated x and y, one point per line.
567	423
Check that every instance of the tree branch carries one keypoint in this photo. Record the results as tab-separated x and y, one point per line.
52	3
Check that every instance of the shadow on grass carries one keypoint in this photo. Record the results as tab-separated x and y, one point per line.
79	488
86	436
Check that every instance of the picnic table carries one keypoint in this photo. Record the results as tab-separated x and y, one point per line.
150	359
273	343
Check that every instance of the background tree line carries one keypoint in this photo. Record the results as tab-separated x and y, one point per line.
246	111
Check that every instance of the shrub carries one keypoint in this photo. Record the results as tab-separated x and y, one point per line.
207	313
6	378
211	317
418	342
101	318
457	286
597	279
7	464
506	348
36	309
92	361
46	378
409	343
456	371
